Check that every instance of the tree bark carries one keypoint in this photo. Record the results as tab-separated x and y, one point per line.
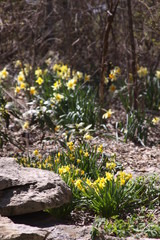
110	17
133	55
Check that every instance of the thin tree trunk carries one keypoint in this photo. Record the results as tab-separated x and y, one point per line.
133	55
111	12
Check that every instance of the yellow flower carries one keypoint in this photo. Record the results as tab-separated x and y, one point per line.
70	145
56	67
122	181
107	114
38	72
106	80
142	72
56	160
63	169
112	76
57	128
117	70
18	63
64	68
57	85
109	176
102	182
157	74
87	137
78	184
36	152
22	85
40	81
82	172
17	89
21	77
155	120
48	61
88	181
87	78
71	84
3	74
100	148
33	91
80	151
79	75
128	176
58	97
111	165
86	154
78	160
112	88
26	125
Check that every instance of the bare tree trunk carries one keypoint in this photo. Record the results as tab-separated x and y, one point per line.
111	12
133	55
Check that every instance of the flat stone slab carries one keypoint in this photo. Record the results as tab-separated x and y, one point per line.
12	231
25	190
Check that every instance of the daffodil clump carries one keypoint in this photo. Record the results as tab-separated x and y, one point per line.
95	180
59	95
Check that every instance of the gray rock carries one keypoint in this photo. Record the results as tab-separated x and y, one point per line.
25	190
11	231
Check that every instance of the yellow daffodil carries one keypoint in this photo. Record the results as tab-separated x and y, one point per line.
79	75
78	184
155	120
38	72
112	75
57	128
87	137
58	97
21	77
106	80
78	160
100	148
102	182
40	81
87	78
23	85
86	154
71	84
111	165
56	67
17	89
4	74
142	72
109	176
157	74
117	70
36	152
122	181
57	85
48	61
112	88
26	125
64	68
18	63
108	114
32	91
